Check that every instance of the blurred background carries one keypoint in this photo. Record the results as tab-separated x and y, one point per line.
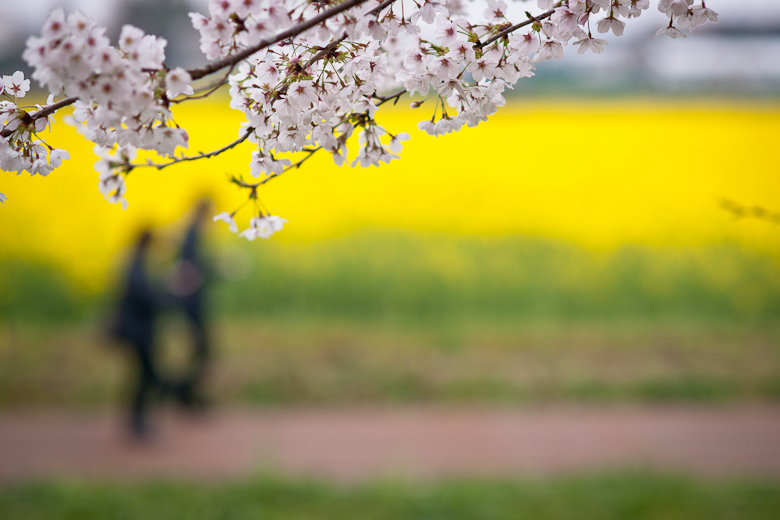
609	237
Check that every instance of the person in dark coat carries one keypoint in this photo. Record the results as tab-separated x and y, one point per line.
135	323
191	277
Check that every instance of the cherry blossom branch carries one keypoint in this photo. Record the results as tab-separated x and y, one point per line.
385	99
254	185
29	118
377	9
208	155
289	33
6	132
211	89
54	107
297	165
231	61
324	51
516	26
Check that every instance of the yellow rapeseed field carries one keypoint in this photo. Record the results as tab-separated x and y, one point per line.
602	174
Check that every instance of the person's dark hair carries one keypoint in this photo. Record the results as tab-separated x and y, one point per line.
203	208
144	239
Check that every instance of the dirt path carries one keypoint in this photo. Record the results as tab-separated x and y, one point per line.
422	442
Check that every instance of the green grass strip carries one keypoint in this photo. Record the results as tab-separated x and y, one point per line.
598	497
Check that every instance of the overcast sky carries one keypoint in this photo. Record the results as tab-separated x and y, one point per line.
17	24
29	19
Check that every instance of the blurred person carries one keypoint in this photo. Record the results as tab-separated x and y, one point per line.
138	309
191	274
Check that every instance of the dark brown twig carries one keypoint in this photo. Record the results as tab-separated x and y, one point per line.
196	157
29	118
517	26
385	99
381	6
210	90
298	164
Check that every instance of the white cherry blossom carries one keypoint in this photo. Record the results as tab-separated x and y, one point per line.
549	49
674	7
177	81
395	142
595	45
610	23
228	219
263	227
16	85
702	15
495	10
671	31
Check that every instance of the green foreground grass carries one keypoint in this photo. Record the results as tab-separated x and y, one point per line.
598	497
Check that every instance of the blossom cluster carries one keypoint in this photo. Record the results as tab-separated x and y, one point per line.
122	92
21	148
260	226
684	14
312	75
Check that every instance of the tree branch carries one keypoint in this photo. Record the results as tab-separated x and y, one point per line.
292	31
318	55
325	50
291	167
53	108
381	6
29	118
385	99
208	155
517	26
231	61
209	90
